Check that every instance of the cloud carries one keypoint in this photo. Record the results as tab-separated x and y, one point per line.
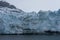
36	5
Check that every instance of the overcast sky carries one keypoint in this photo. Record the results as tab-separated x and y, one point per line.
36	5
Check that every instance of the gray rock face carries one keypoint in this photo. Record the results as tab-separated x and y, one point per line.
6	4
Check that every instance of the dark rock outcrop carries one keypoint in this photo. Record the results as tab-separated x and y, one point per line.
6	4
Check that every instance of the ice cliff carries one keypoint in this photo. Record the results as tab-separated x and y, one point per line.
14	20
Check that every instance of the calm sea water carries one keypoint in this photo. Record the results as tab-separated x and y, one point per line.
29	37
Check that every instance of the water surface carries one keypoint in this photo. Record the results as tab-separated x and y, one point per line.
29	37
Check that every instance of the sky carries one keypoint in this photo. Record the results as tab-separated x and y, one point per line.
36	5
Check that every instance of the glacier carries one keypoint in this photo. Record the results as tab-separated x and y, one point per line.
14	20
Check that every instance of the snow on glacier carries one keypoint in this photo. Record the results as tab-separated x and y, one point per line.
16	20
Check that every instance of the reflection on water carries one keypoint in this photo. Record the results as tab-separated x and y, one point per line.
29	37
